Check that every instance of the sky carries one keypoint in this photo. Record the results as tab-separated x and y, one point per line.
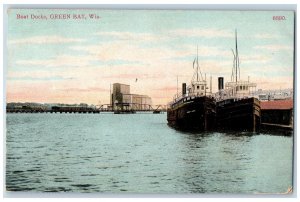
76	60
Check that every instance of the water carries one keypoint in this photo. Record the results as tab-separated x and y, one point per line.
139	153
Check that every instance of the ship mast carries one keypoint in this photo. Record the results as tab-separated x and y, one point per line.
236	61
237	57
198	70
197	65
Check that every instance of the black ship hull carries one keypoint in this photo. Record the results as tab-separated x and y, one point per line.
241	115
198	113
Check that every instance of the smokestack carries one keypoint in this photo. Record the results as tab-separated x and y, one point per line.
183	88
220	83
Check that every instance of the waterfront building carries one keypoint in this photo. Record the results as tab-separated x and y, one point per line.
275	94
121	98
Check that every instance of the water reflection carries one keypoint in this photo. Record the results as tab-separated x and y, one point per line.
211	159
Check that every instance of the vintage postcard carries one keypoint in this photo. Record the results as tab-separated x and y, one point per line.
149	101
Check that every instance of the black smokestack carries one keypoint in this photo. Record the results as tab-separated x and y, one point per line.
183	88
220	83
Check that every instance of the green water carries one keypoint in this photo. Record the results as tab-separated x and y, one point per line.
139	153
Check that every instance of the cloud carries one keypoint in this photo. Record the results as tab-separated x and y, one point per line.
136	55
254	59
166	88
133	76
39	75
44	40
128	52
206	33
269	70
267	82
92	89
28	78
203	52
124	52
60	61
274	47
132	36
125	57
266	36
137	37
167	35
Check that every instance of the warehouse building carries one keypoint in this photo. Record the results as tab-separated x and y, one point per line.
122	99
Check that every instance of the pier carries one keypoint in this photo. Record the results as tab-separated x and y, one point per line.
277	115
155	109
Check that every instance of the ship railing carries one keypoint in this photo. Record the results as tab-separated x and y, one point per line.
178	97
223	96
239	83
207	94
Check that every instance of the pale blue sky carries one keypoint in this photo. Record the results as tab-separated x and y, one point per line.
154	46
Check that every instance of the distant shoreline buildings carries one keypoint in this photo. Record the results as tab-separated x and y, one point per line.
276	94
45	106
121	97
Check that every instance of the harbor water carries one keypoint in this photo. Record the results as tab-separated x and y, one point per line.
139	153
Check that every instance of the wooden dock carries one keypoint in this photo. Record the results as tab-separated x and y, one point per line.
277	116
277	128
78	111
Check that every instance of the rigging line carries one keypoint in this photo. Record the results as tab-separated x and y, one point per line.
198	68
193	78
239	68
177	85
237	56
197	64
194	70
200	73
233	66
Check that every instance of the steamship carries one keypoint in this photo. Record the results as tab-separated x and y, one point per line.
236	108
195	108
